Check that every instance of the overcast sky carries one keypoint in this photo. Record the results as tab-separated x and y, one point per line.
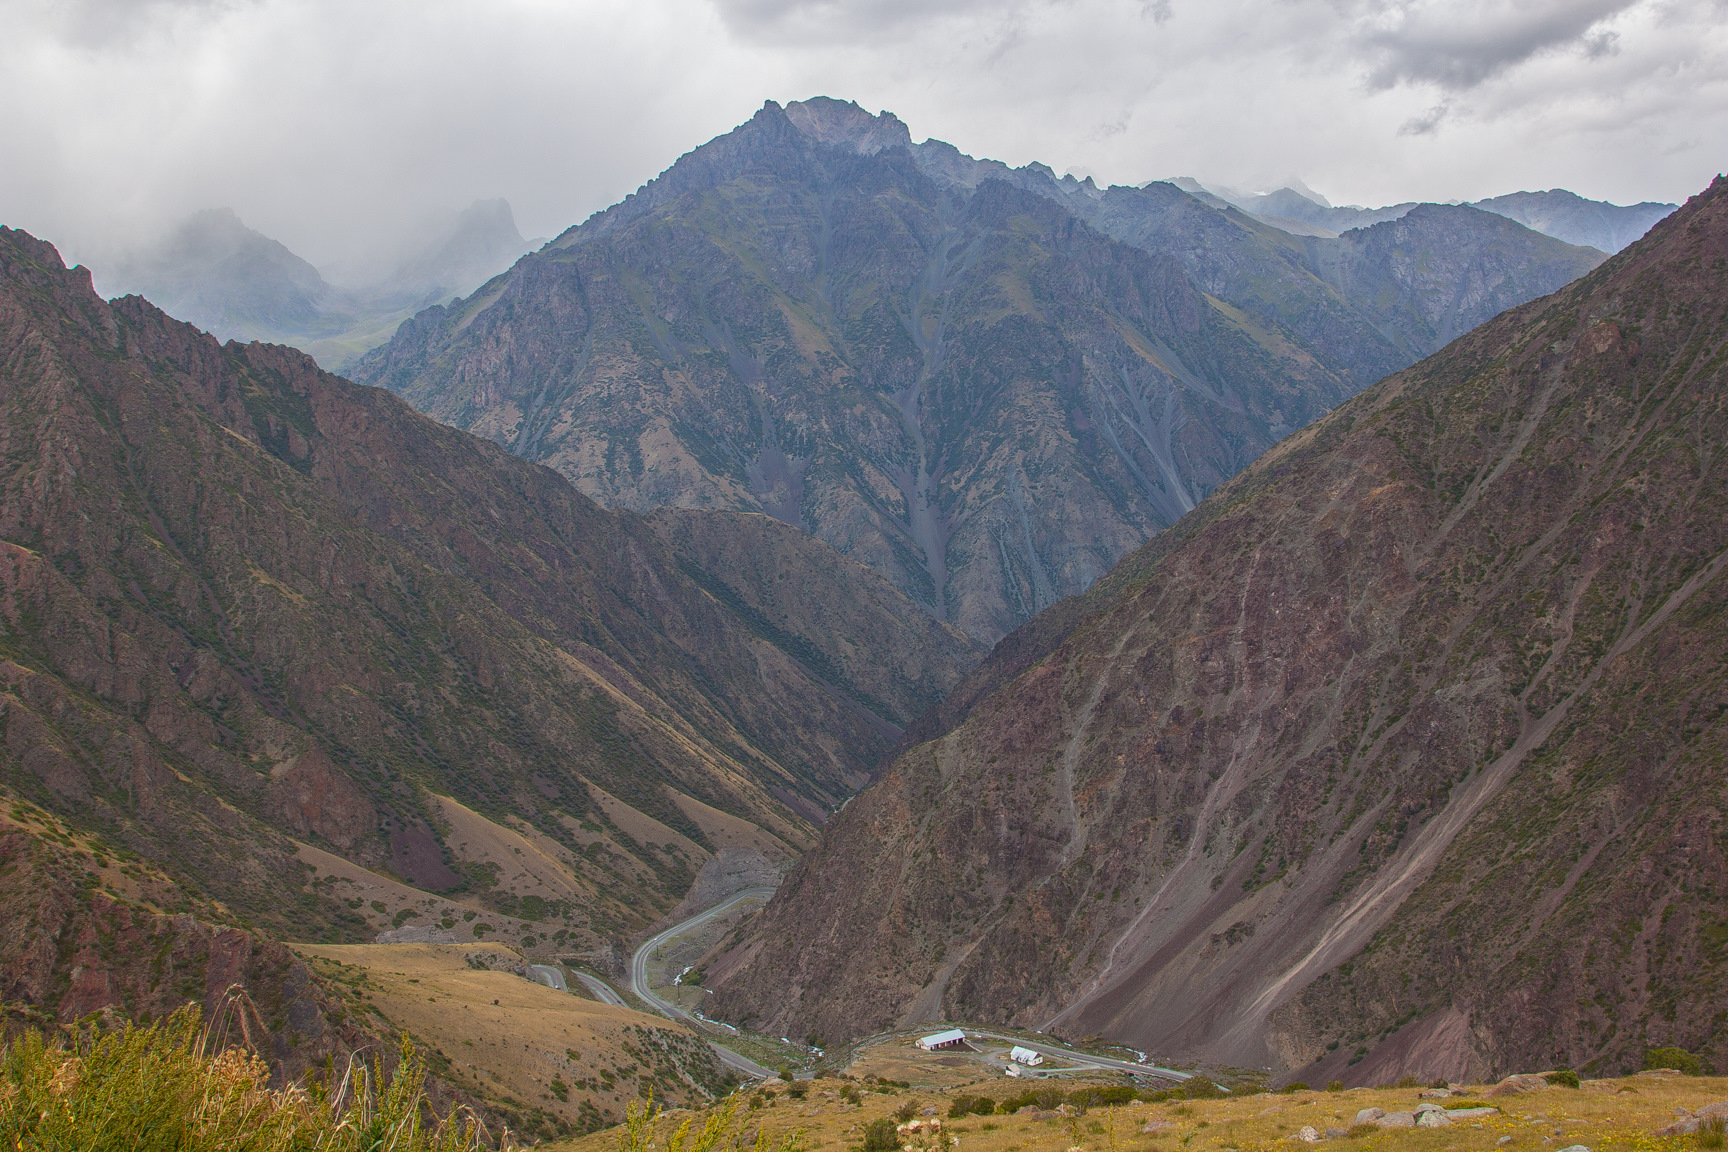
335	125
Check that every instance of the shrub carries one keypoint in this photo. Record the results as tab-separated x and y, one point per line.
1357	1131
1044	1098
1676	1058
1201	1088
1334	1085
1408	1082
1710	1133
1295	1086
879	1136
1100	1097
906	1111
1563	1078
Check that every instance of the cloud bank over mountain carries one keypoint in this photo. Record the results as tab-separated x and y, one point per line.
340	128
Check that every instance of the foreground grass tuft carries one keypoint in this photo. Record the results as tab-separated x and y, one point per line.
161	1088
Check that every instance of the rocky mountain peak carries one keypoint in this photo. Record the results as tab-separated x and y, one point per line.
843	123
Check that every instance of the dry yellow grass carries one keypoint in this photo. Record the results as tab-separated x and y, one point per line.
507	1039
1538	1122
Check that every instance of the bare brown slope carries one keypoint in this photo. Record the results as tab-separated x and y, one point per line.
845	622
244	600
1416	723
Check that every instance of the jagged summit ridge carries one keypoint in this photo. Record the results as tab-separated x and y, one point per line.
987	384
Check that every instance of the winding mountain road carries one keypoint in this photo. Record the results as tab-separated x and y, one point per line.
549	976
639	979
603	991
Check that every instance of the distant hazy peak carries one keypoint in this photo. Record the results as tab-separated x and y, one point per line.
1570	217
843	122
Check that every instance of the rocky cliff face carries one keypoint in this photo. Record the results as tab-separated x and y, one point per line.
1402	754
986	384
244	603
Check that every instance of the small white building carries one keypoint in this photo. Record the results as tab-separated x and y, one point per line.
1025	1056
953	1038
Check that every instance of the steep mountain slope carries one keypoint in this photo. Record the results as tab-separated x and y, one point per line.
925	360
1404	753
258	620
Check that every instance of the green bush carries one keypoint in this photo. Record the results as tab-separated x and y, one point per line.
1201	1088
1295	1086
1565	1078
1334	1085
879	1136
1710	1133
970	1106
1676	1058
1101	1096
906	1111
162	1088
1043	1098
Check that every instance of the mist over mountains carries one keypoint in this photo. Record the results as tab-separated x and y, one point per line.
234	282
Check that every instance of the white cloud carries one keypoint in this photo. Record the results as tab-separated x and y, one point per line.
335	126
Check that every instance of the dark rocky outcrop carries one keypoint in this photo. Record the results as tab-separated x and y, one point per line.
1402	754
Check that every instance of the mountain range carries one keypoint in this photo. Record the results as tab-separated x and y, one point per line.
1121	612
1558	213
1401	755
986	384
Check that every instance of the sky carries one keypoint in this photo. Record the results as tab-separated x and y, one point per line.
341	127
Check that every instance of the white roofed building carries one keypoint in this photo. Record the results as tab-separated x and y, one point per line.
1025	1056
953	1038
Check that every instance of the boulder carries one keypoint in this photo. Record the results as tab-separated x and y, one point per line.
1397	1120
1151	1126
1575	1148
1369	1115
1433	1118
1436	1093
1470	1113
1517	1085
1686	1122
1337	1133
1307	1135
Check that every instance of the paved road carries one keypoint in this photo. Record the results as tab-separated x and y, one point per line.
1085	1059
549	976
603	991
639	979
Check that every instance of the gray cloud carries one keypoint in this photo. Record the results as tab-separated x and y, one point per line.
342	128
1460	45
